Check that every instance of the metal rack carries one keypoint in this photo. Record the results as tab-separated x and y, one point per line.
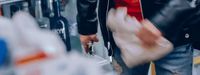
8	1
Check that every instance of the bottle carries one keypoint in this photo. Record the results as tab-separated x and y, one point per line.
59	24
42	21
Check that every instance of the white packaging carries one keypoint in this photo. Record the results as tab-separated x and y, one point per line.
27	43
72	64
8	32
41	52
33	39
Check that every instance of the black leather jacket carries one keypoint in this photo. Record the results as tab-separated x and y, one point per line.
171	17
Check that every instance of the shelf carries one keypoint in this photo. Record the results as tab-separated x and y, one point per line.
8	1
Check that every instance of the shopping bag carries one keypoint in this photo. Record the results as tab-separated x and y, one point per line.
124	30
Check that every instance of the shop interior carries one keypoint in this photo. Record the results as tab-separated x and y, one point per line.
70	59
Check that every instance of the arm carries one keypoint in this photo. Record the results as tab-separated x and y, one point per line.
87	22
168	20
170	17
87	17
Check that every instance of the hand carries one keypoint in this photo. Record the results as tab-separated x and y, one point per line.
148	34
86	39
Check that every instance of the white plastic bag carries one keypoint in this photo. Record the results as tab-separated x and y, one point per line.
33	39
133	53
25	39
43	51
8	32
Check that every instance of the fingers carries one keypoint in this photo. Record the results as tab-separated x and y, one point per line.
148	34
145	36
86	39
149	26
86	47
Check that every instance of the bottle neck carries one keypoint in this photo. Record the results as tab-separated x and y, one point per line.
56	7
38	9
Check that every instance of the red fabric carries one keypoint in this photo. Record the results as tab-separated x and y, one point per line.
133	6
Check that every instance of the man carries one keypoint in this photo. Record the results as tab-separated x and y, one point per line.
168	16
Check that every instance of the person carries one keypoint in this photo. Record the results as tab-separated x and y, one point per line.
168	16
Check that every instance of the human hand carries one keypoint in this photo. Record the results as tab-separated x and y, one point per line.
148	34
86	39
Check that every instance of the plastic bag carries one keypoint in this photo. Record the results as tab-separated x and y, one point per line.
41	52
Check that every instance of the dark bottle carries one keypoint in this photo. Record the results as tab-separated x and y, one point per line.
59	24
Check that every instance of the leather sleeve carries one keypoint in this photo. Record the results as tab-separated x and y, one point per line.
168	19
87	17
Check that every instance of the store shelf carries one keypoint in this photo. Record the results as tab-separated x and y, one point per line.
8	1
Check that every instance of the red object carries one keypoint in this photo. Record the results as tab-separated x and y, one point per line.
134	7
31	58
1	14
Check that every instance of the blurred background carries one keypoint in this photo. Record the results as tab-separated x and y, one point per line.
63	13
